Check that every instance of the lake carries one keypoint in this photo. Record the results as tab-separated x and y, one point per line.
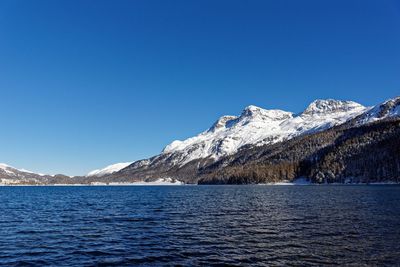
200	225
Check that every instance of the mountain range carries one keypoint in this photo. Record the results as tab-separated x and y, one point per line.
331	141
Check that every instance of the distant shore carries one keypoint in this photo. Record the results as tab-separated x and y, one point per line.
183	184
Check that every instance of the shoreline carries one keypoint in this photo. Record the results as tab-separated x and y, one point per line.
183	184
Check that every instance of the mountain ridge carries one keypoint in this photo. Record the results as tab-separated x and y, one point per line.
248	128
254	129
165	164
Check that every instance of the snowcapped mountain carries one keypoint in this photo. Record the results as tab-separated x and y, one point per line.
11	175
258	126
247	137
109	169
7	170
388	109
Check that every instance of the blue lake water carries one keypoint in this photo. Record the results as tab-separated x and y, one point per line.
200	225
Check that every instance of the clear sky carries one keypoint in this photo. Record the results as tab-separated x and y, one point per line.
85	84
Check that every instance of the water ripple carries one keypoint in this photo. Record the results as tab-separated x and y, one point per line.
200	225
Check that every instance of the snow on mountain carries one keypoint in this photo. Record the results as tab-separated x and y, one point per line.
11	175
330	105
388	109
7	169
11	171
321	115
109	169
258	126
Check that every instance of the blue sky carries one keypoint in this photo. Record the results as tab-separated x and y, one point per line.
84	84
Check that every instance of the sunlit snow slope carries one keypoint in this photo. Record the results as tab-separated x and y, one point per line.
261	126
109	169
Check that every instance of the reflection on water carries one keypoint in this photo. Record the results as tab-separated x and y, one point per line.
200	225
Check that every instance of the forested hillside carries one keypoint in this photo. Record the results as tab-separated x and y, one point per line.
368	153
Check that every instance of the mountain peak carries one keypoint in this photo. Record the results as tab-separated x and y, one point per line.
388	109
222	123
392	104
331	105
273	114
252	108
